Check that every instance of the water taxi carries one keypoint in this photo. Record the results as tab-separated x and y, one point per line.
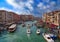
23	24
28	31
38	31
28	26
47	37
12	28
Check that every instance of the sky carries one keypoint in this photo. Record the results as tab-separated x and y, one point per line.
27	7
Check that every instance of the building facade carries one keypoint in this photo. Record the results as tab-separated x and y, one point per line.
16	18
2	17
26	17
52	18
7	18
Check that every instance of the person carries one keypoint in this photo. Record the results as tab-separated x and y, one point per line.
28	26
32	24
58	31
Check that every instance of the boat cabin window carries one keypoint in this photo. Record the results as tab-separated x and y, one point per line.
38	31
48	37
10	28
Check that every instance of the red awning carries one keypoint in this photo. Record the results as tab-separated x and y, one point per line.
52	25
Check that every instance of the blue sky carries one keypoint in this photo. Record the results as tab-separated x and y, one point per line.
34	7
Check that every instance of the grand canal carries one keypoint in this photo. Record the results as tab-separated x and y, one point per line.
20	35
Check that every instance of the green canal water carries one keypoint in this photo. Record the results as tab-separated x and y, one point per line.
20	35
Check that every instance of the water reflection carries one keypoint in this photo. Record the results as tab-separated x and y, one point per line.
21	35
28	35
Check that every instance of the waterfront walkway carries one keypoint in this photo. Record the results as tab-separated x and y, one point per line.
20	35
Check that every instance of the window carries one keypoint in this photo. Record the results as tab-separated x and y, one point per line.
53	21
59	14
0	18
53	17
0	14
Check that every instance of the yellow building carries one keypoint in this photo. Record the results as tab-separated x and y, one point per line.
52	17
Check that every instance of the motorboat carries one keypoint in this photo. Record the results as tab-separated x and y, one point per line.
23	25
28	31
28	26
12	28
47	37
53	36
38	31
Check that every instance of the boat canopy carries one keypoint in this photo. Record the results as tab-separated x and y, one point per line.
12	26
53	26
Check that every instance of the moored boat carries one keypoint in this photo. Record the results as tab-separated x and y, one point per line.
28	31
28	26
47	37
38	31
53	36
12	28
23	24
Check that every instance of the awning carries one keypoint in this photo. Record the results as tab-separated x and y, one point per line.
53	26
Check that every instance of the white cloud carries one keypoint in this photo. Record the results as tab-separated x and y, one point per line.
40	4
29	6
3	8
30	1
48	6
53	3
9	10
44	7
13	3
19	6
46	1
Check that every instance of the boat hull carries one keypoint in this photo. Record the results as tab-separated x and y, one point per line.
48	38
12	29
38	31
28	31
